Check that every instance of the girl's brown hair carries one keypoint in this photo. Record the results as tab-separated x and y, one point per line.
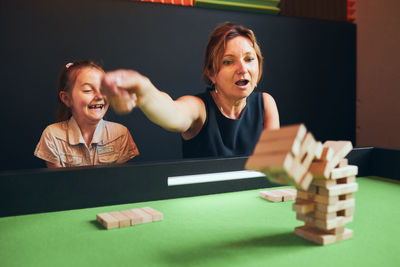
65	82
216	47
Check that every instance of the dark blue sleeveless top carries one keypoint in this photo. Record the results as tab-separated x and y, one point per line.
221	136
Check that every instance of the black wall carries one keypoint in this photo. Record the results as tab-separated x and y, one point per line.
309	66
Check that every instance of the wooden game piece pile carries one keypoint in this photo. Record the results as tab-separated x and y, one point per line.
325	202
328	204
279	195
118	219
285	155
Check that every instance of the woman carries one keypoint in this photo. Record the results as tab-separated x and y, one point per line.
81	137
228	118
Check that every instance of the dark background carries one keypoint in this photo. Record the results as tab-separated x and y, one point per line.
309	66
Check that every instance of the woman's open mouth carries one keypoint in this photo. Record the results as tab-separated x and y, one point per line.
242	82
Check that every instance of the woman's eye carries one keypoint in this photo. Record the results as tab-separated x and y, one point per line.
249	59
227	62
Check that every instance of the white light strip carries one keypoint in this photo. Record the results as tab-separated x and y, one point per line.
212	177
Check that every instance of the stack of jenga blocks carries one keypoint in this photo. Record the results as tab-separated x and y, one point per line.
324	180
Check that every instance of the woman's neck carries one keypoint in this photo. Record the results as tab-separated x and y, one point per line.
230	108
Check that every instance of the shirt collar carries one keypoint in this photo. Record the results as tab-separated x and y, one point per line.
75	136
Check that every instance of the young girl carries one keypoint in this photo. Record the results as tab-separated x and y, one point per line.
81	137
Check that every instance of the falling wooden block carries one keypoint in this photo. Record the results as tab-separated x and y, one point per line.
123	220
322	237
295	132
343	163
108	221
156	215
283	145
340	150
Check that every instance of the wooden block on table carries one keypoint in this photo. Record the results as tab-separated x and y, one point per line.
339	189
350	170
146	218
134	217
108	221
332	199
303	206
123	220
321	237
156	215
278	195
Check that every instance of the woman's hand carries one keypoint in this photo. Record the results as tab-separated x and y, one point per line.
121	87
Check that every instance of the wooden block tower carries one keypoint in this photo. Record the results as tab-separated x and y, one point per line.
325	182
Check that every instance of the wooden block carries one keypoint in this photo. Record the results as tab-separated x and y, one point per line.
327	153
324	215
303	206
146	218
134	217
320	169
297	131
321	237
304	195
322	223
332	199
350	170
318	150
108	221
343	204
343	163
156	215
337	231
332	182
278	195
123	220
271	196
305	181
283	145
270	162
340	150
338	189
331	215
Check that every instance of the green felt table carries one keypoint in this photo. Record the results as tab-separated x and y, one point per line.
230	229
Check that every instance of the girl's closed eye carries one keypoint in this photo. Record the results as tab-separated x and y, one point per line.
227	62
